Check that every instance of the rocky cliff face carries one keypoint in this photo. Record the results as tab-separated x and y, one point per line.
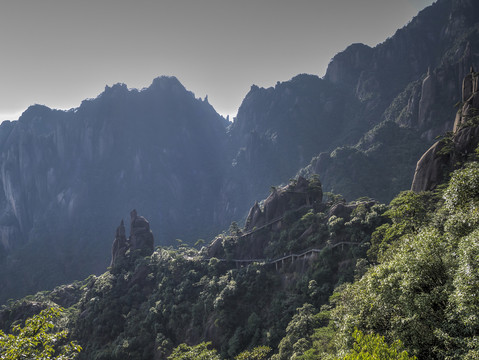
407	88
278	130
141	240
436	164
66	176
299	195
376	76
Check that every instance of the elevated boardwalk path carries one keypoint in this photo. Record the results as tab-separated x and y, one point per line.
283	259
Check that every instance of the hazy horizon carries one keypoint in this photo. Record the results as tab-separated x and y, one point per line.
59	52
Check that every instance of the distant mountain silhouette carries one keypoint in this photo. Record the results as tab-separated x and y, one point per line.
67	178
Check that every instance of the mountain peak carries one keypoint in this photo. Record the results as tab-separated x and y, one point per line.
166	83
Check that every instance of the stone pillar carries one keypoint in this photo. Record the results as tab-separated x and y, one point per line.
467	87
141	236
120	246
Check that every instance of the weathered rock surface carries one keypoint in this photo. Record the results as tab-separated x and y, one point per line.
120	246
470	100
141	239
434	166
67	176
431	169
297	194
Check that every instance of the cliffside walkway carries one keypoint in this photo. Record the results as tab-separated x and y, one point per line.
281	260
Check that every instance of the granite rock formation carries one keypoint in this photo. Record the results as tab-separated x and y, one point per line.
298	194
120	245
470	100
435	165
140	239
67	176
406	87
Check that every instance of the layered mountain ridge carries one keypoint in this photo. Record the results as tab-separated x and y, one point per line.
69	177
264	284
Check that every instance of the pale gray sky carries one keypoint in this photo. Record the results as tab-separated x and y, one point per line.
59	52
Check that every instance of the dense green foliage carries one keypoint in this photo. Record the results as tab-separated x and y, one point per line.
38	340
197	352
379	165
373	347
422	281
202	352
404	286
148	306
386	282
258	353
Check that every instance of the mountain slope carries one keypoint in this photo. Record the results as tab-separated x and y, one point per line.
68	177
407	87
412	79
143	307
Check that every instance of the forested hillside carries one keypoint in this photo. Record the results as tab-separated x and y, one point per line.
418	283
309	272
405	274
145	306
68	177
309	276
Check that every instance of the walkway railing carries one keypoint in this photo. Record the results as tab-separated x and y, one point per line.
282	259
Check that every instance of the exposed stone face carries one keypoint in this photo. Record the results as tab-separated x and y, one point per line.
66	177
426	102
294	196
120	246
141	238
341	210
255	217
289	197
434	165
470	100
269	132
437	162
346	66
430	169
215	249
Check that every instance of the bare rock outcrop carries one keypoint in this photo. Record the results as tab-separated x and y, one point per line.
470	100
141	239
441	157
120	245
430	169
255	217
298	193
